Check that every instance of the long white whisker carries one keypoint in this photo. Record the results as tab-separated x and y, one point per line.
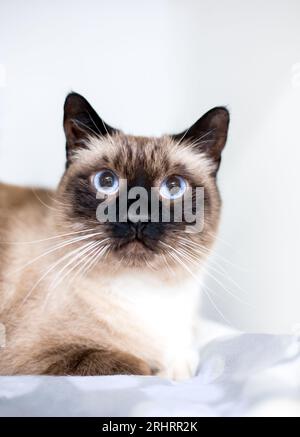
192	258
59	277
93	261
92	246
218	269
203	287
49	270
89	259
226	276
43	203
59	246
208	251
48	239
53	199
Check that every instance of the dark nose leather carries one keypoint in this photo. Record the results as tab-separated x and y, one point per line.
138	228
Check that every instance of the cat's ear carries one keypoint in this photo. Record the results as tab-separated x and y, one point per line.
208	134
81	121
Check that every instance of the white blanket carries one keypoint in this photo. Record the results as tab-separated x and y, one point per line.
245	374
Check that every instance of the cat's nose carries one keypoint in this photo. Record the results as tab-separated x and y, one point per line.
146	231
137	229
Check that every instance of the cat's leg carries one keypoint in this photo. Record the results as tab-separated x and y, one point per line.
92	362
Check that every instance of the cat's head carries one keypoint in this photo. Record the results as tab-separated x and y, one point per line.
104	166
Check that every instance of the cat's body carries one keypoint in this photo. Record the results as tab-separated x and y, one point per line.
131	311
152	318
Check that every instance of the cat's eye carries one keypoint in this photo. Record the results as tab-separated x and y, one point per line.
173	187
106	181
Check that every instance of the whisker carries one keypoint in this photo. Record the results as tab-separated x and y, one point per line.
193	260
48	239
43	203
52	288
222	273
190	246
93	247
203	287
89	259
59	277
53	199
227	276
60	246
90	265
167	264
208	251
217	237
49	270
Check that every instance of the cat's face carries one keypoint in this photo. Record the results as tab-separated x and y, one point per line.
105	167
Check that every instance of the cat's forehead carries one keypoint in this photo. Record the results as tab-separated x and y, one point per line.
130	154
154	157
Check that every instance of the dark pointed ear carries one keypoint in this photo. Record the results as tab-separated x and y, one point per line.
208	134
81	121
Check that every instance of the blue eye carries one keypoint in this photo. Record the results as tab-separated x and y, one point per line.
173	187
106	181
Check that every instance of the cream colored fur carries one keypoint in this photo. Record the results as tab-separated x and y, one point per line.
150	314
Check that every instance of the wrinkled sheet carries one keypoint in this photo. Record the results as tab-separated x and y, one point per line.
239	375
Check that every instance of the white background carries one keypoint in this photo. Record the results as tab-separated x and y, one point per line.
155	67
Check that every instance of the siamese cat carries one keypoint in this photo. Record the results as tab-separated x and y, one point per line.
81	296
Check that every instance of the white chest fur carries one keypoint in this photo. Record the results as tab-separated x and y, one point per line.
164	313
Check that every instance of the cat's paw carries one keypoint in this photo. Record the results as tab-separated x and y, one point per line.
183	366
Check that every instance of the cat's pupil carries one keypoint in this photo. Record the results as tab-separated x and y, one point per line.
107	180
173	185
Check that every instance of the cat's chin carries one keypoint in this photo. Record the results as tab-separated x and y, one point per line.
134	253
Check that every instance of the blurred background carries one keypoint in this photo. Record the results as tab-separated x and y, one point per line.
155	67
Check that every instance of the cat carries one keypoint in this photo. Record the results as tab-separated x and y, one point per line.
83	297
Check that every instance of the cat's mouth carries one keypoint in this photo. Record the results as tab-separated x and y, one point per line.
135	247
135	239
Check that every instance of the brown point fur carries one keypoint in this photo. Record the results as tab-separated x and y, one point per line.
36	333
